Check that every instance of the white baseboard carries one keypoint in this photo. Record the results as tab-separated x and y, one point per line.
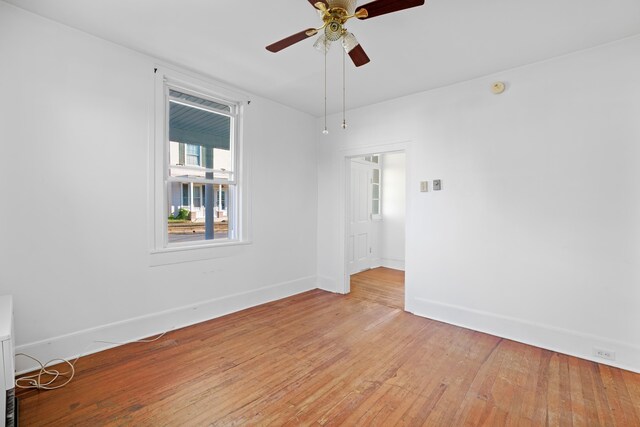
82	342
396	264
545	336
327	284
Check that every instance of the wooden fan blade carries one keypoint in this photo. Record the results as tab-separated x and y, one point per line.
382	7
358	56
295	38
313	3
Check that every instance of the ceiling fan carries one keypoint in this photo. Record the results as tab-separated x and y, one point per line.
334	14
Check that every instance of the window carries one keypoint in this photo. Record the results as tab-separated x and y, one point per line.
197	200
185	195
192	155
222	205
375	193
375	158
196	165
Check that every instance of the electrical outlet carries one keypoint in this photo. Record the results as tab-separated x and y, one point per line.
424	186
604	354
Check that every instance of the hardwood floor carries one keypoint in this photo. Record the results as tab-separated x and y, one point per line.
382	285
319	358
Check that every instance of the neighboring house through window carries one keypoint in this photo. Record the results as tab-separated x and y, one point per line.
200	133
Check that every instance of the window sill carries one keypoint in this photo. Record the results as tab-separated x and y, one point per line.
180	254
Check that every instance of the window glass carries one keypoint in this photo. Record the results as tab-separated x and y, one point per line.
179	96
197	201
201	163
375	207
193	155
185	195
375	192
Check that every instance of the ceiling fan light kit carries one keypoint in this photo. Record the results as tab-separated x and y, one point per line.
349	42
334	14
321	44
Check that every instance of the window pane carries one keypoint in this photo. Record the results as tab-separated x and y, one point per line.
201	223
196	196
375	191
196	100
192	154
199	137
375	207
193	160
376	176
185	195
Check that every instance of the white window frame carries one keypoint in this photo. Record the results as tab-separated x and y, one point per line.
160	249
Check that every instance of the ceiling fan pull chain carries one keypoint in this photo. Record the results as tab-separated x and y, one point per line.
344	91
325	131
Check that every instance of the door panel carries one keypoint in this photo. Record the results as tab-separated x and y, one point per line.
352	250
360	224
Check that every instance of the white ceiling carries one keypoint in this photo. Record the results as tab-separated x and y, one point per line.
442	42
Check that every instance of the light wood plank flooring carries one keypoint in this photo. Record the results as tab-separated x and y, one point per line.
319	358
381	285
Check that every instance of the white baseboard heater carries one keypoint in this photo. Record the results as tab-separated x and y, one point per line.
7	364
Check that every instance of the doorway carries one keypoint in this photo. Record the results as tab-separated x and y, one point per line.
375	238
362	234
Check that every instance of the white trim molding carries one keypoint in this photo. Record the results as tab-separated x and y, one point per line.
161	251
83	343
328	284
560	340
395	264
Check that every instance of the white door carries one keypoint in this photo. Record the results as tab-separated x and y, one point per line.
360	229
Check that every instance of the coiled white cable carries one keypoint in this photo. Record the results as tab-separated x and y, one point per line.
36	381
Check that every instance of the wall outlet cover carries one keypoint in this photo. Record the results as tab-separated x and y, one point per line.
604	354
437	185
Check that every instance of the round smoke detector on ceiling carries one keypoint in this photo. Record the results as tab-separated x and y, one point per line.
497	88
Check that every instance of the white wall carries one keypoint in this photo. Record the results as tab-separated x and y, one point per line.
74	135
535	235
393	210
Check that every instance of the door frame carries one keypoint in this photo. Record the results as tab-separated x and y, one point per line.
347	155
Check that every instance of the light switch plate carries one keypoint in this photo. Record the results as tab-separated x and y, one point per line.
437	185
424	186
